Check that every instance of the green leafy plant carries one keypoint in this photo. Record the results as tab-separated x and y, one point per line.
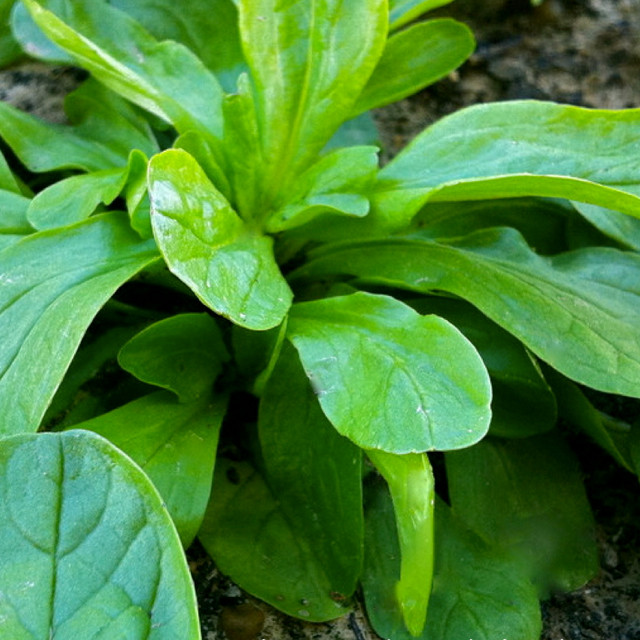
221	318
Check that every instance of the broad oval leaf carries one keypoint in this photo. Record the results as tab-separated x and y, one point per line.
230	267
315	474
527	497
174	444
579	311
251	540
476	590
415	58
515	149
183	353
53	284
88	549
388	378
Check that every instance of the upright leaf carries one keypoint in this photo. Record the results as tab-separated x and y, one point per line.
227	264
476	590
388	378
120	53
415	58
46	308
514	149
174	444
314	473
411	484
88	549
527	496
309	61
579	311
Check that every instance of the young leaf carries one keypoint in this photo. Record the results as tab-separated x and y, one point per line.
337	184
76	198
120	53
309	61
227	265
415	58
388	378
314	473
174	444
403	11
476	590
579	311
411	484
514	149
88	548
281	568
46	309
527	496
183	353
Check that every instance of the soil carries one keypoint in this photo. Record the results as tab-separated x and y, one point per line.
582	52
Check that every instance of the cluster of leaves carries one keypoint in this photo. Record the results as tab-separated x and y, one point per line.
222	319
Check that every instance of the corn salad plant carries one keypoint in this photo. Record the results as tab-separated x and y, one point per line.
223	319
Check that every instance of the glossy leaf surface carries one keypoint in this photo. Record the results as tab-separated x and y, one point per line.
403	11
515	149
476	589
88	548
46	308
281	569
184	354
527	496
174	444
579	311
229	266
415	58
412	489
388	378
314	473
120	53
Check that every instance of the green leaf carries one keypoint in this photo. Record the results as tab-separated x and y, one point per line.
523	403
102	133
411	483
120	53
579	311
476	590
574	408
527	496
8	181
9	49
46	309
315	475
338	183
13	217
622	228
174	444
88	548
388	378
209	28
515	149
415	58
309	61
280	568
76	198
183	353
227	265
403	11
